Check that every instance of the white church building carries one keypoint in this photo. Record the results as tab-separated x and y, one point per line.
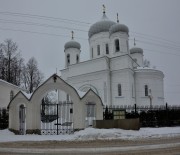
114	71
114	75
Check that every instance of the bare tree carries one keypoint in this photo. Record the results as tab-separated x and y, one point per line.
1	64
13	69
32	77
11	62
9	48
17	66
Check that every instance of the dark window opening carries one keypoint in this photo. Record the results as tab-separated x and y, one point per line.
77	58
107	49
68	59
71	111
117	47
98	49
146	90
119	90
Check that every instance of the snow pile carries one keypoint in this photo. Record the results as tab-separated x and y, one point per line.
7	136
94	134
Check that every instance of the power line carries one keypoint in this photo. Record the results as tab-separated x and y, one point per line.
160	41
152	36
42	17
155	51
74	21
156	44
67	36
39	24
40	33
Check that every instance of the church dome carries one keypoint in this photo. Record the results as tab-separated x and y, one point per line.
136	50
118	27
101	26
72	44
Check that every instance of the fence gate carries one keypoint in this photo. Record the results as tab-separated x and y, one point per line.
57	118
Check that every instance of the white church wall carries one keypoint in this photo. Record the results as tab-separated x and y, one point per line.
95	80
121	62
154	80
125	78
86	67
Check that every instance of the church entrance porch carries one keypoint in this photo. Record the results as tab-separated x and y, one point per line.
57	119
41	115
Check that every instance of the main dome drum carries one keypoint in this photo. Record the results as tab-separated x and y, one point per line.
101	26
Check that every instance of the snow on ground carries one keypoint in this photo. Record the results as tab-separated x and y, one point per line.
94	134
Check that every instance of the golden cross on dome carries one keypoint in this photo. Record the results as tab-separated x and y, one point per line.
104	9
72	34
117	18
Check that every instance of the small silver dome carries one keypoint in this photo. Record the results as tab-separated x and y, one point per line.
72	44
136	50
118	27
101	26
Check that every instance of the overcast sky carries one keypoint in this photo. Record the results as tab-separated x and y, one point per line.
154	23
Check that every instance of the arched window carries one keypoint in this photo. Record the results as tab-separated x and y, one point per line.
119	90
68	59
117	47
98	49
77	58
146	90
107	49
11	95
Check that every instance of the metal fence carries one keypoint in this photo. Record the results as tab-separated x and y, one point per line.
154	116
4	118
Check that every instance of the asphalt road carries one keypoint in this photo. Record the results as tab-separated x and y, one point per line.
155	146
